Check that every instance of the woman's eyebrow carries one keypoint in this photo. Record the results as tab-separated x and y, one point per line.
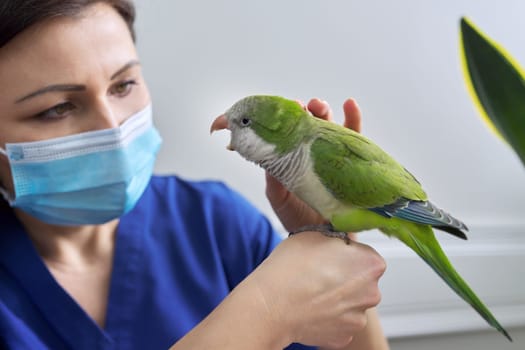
125	68
52	88
73	87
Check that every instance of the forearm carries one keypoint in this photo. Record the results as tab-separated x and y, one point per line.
267	310
371	337
239	322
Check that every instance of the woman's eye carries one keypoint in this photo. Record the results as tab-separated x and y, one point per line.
57	112
123	88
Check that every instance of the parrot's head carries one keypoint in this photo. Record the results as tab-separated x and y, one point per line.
262	127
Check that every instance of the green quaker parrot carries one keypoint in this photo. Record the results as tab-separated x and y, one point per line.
345	177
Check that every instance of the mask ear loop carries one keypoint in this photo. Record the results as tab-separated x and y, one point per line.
3	191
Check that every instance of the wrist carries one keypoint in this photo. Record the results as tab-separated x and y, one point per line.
262	315
241	321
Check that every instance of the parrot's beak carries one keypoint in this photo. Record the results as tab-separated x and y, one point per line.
220	123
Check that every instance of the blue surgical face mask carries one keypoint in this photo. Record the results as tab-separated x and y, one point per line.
87	178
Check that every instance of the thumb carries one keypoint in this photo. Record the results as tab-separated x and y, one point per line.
275	191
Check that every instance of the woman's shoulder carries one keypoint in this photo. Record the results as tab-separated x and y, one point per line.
208	218
177	182
212	194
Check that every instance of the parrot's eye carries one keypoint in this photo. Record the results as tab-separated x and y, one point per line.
246	121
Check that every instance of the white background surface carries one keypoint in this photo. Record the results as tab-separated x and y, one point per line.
400	60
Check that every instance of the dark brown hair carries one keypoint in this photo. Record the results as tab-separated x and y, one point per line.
18	15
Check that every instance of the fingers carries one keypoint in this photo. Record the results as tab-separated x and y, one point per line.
352	115
275	191
320	109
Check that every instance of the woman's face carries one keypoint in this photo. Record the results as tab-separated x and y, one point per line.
68	75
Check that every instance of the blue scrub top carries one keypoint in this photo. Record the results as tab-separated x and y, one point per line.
178	253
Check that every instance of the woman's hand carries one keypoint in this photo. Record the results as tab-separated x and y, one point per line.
312	289
316	290
293	212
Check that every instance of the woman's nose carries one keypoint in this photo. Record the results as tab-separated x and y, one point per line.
103	117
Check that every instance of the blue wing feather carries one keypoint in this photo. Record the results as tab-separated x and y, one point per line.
423	212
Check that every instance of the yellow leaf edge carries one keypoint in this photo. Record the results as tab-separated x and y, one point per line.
468	81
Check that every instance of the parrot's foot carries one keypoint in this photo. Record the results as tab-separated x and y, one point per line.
327	230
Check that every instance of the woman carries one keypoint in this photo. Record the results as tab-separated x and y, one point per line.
96	253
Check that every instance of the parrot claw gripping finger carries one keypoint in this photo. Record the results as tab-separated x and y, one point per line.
326	230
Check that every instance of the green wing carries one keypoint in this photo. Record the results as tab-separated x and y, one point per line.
358	172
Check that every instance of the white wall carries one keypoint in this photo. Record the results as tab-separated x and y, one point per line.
400	60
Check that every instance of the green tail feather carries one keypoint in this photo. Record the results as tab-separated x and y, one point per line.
422	240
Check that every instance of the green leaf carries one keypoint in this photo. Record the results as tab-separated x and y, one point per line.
496	83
